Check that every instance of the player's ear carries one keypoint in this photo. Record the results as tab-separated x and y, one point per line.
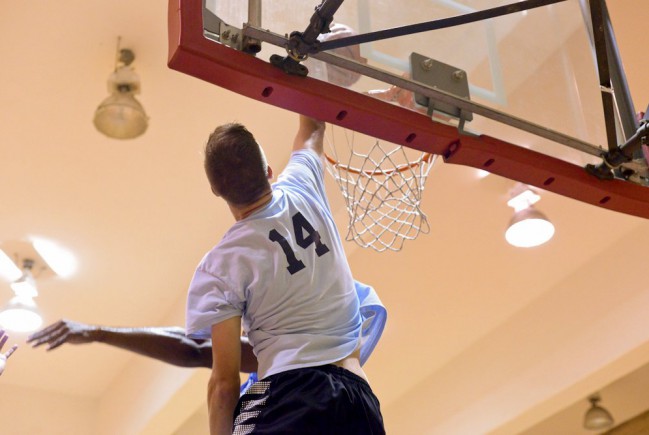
269	172
214	191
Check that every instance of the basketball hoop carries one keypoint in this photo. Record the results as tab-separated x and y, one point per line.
382	186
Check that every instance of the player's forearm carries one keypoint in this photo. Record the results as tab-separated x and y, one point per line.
165	344
170	345
310	135
222	397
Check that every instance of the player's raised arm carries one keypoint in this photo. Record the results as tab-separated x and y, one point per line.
310	135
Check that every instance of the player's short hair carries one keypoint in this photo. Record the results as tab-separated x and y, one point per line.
235	164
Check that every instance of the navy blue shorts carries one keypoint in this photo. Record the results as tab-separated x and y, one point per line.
325	400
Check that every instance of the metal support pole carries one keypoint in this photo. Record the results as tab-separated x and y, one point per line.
254	12
615	92
599	38
251	45
623	98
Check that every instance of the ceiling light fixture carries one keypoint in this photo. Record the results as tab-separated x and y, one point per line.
25	286
22	263
596	417
21	313
121	116
528	227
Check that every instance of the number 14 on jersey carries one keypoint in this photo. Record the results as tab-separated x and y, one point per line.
300	226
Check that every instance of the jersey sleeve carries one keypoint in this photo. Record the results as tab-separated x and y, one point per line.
304	171
210	300
374	317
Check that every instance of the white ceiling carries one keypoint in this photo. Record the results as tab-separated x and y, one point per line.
482	337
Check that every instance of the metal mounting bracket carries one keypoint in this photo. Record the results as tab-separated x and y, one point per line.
231	36
444	77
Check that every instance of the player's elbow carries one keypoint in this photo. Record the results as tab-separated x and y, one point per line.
223	385
222	391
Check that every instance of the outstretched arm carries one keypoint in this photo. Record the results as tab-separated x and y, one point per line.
167	344
310	135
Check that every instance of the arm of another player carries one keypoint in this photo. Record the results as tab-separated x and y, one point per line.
168	344
310	135
5	356
223	386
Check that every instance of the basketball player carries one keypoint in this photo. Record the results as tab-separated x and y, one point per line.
5	356
281	273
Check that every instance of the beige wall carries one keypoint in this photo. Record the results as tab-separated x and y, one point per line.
26	411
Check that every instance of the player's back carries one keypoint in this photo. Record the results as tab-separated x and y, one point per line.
301	305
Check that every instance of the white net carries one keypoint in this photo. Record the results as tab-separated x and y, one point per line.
382	185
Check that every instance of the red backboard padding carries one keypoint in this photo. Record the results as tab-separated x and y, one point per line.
191	53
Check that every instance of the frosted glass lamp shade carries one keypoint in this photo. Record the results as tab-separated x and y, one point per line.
528	228
121	116
20	315
596	417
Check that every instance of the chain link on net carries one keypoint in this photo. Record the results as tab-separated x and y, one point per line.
382	188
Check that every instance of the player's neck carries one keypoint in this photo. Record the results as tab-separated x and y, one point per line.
242	212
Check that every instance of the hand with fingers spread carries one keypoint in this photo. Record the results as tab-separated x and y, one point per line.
63	331
4	356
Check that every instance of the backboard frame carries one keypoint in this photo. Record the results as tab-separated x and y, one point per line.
192	53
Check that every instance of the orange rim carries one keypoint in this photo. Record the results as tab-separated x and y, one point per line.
427	157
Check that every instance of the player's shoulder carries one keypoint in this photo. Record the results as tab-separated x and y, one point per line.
243	233
240	242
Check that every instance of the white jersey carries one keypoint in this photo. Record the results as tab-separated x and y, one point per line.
284	271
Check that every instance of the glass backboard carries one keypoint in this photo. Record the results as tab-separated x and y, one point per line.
534	104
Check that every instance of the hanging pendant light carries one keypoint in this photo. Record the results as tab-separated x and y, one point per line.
528	226
22	264
121	116
596	417
21	313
